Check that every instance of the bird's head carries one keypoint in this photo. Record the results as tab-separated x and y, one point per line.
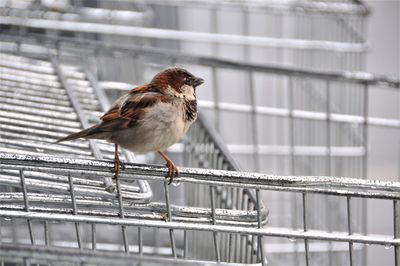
178	79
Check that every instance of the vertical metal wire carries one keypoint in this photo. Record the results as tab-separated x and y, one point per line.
329	159
94	236
239	244
260	248
250	78
328	129
169	218
214	222
74	210
215	52
396	211
46	234
364	206
292	158
307	255
350	231
122	215
140	241
185	245
396	230
26	203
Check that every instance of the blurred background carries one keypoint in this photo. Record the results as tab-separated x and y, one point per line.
305	88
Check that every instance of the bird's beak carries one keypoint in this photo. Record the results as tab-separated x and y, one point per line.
197	82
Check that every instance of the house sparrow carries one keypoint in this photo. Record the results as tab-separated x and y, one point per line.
149	118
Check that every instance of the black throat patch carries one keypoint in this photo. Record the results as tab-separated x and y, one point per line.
190	110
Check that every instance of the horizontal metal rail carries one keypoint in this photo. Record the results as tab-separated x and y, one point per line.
168	34
282	112
302	114
264	5
267	231
289	71
284	150
12	207
313	184
39	254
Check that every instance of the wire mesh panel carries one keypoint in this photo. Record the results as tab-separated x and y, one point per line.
32	210
293	88
104	213
62	192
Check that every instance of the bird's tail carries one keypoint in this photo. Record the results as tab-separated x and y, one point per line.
89	133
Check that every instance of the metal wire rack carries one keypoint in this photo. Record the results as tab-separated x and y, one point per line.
76	209
56	192
318	104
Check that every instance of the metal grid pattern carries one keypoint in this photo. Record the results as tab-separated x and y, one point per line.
318	133
76	209
60	100
57	192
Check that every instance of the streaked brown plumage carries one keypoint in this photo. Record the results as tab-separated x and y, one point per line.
149	118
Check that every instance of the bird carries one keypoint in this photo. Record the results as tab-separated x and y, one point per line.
149	118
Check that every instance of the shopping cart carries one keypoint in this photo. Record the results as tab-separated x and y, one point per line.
216	215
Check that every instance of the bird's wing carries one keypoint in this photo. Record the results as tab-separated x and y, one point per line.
131	108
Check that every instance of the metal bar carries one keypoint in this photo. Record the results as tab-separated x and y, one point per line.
140	240
158	33
122	215
260	248
349	229
75	211
215	234
26	203
252	95
46	234
364	207
185	244
303	114
396	230
55	255
348	76
94	239
307	254
90	205
197	175
268	231
268	6
169	218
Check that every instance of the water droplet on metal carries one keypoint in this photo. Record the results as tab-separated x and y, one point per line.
388	246
39	150
292	239
176	183
7	219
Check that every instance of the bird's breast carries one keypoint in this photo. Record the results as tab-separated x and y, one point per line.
163	125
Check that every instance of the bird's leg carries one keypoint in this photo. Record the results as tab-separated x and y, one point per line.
118	164
172	169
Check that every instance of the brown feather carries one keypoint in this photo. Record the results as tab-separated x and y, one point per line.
86	133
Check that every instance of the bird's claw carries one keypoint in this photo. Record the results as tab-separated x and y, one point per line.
118	165
172	172
165	217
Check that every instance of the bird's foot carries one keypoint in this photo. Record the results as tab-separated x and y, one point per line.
172	171
118	165
165	217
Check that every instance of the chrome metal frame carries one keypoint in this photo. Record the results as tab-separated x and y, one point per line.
201	151
38	207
